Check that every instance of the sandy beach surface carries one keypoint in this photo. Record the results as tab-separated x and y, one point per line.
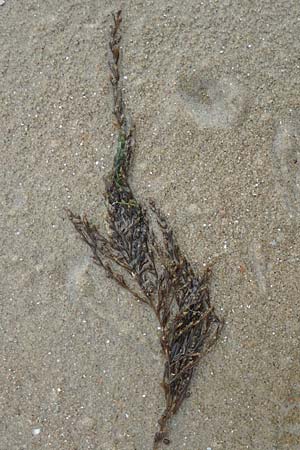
213	88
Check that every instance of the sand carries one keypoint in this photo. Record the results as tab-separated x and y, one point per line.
213	88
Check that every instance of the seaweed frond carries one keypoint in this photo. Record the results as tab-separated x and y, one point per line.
141	255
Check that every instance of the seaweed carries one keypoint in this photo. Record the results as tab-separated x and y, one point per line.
141	254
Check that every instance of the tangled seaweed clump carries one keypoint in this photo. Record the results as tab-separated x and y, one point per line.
141	255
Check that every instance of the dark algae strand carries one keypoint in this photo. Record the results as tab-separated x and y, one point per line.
141	254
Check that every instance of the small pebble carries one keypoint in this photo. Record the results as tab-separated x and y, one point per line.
36	430
2	2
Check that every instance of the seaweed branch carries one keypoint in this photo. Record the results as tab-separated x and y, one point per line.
141	255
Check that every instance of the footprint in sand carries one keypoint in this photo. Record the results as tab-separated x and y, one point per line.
286	162
212	103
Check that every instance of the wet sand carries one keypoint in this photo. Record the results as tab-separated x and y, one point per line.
213	88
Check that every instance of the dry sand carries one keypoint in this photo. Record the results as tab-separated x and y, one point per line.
213	87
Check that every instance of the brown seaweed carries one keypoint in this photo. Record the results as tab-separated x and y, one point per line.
141	255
